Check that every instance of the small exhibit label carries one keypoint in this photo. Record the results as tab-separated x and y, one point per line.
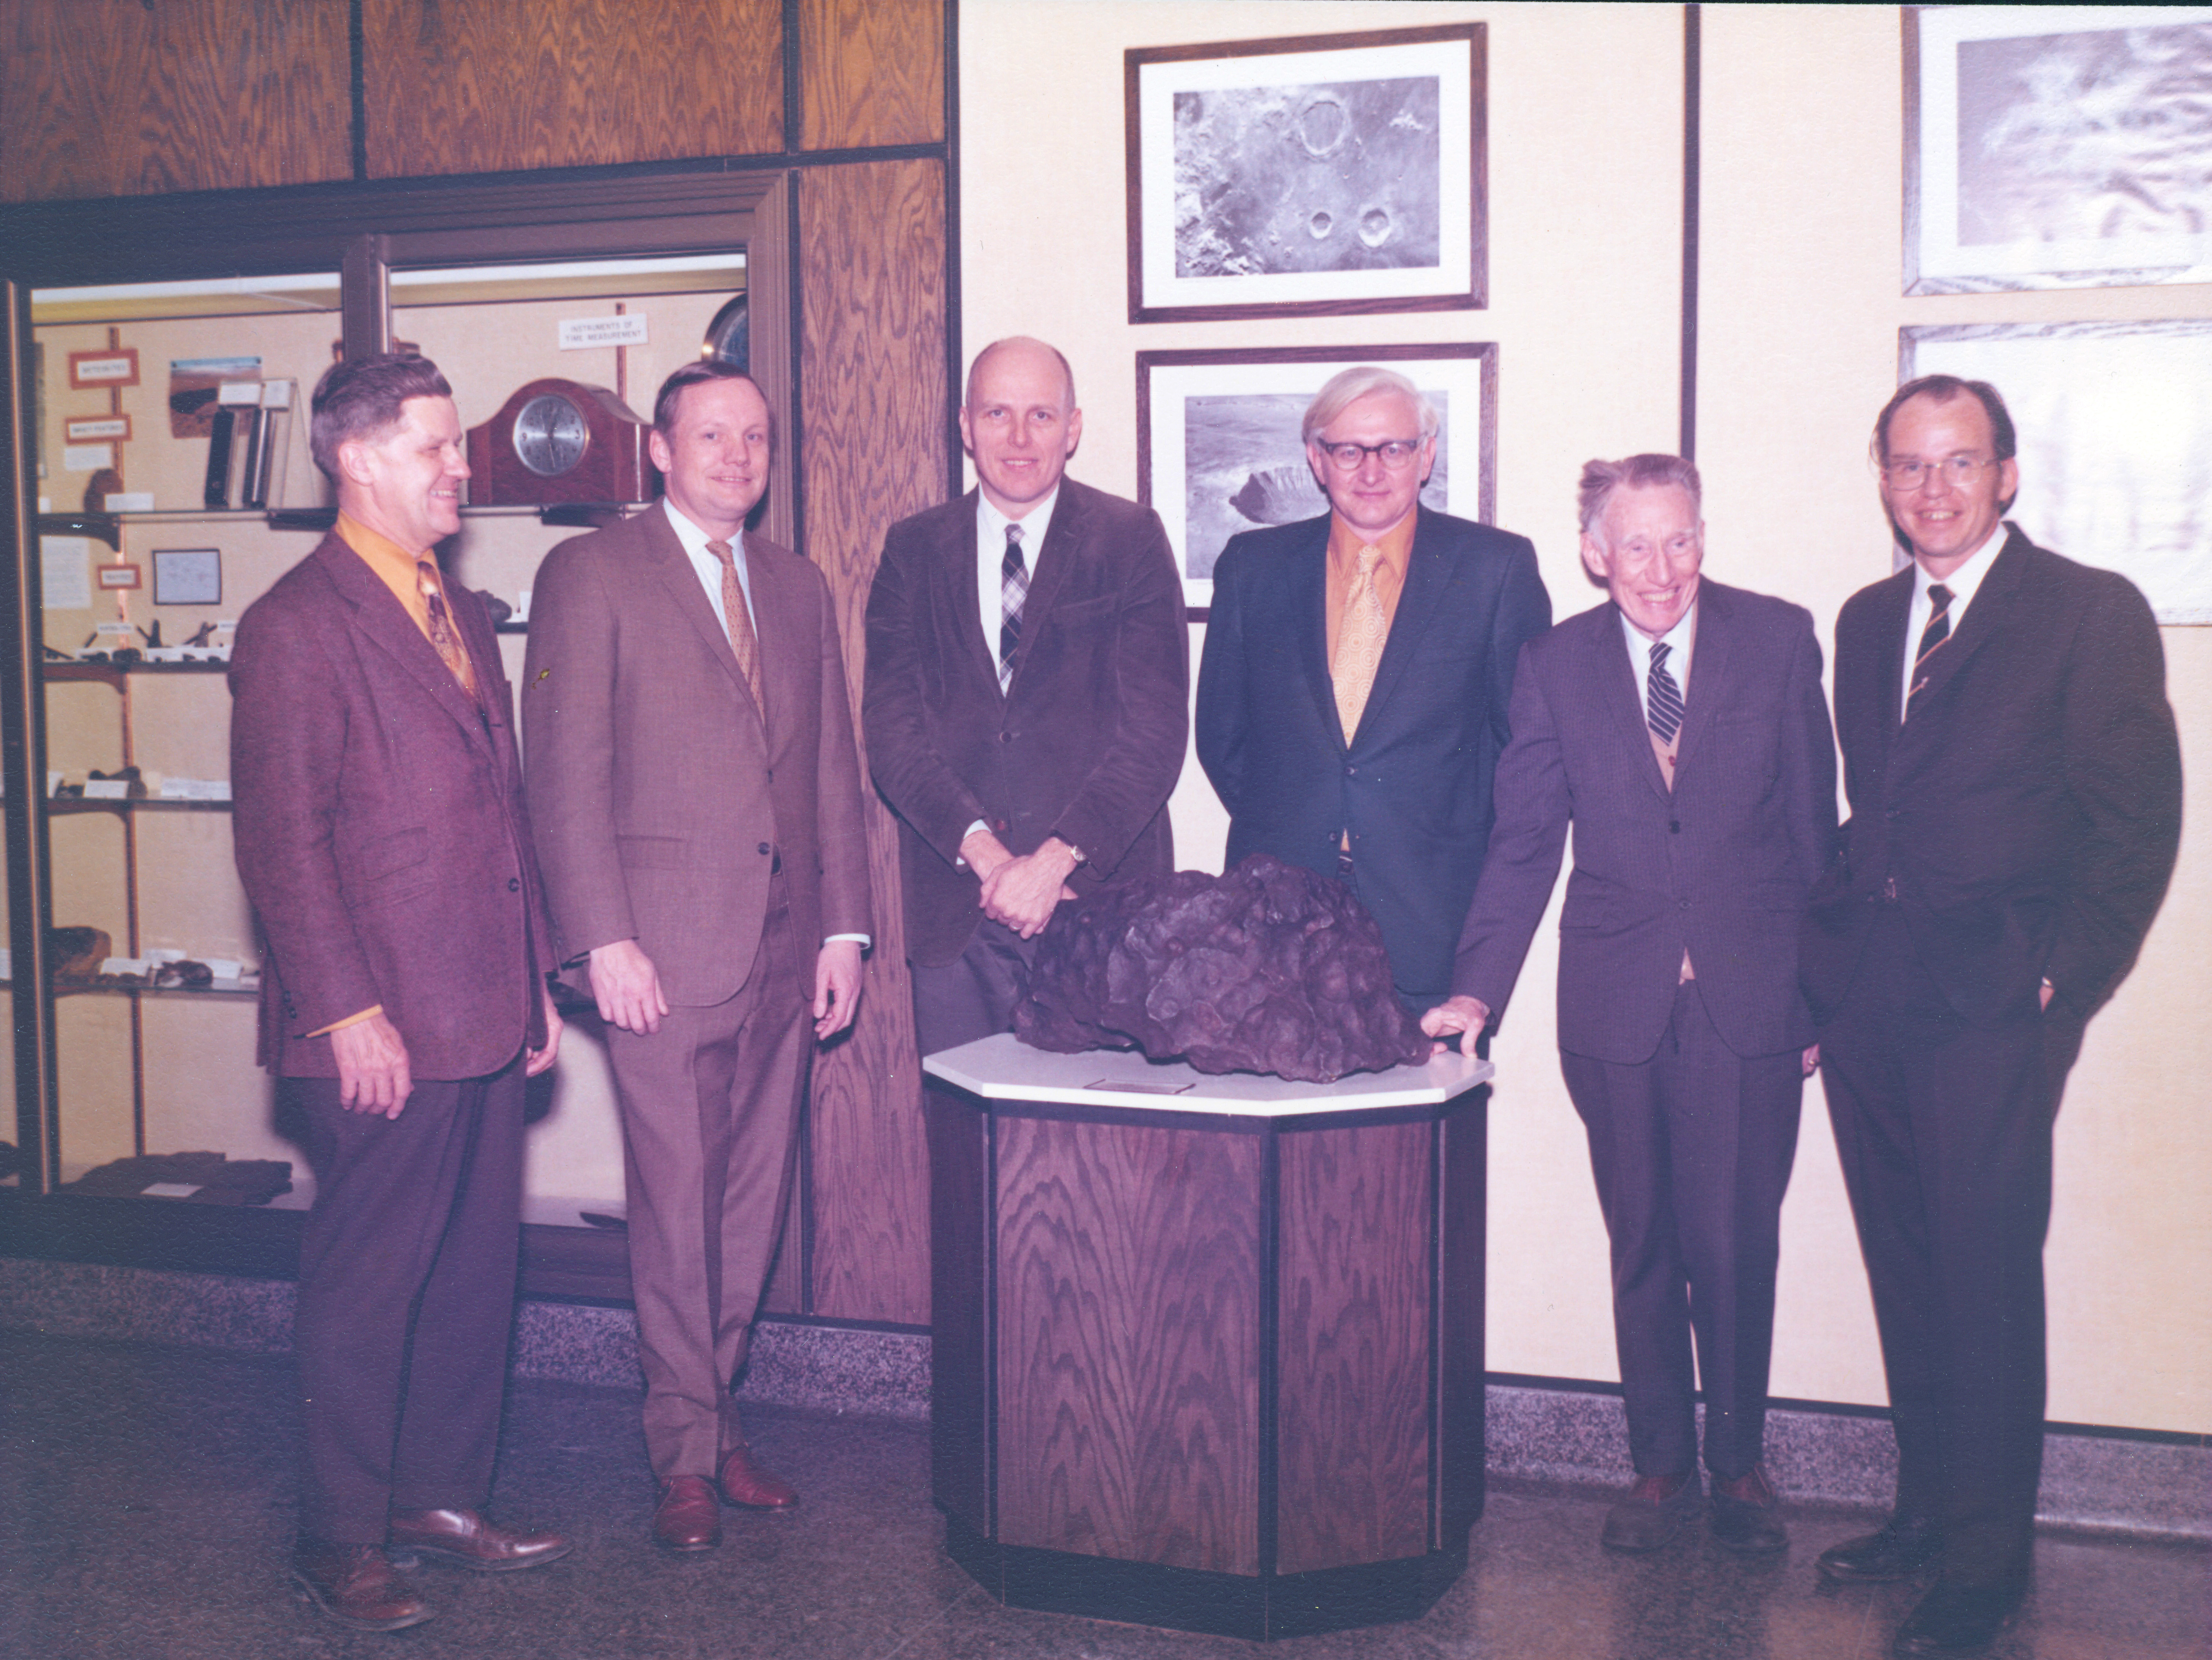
87	458
65	572
578	332
129	502
90	429
247	392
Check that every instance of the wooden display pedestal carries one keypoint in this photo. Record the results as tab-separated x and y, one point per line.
1208	1351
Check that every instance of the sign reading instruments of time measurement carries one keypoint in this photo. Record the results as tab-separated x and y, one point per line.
578	332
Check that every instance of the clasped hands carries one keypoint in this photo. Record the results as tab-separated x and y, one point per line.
1020	891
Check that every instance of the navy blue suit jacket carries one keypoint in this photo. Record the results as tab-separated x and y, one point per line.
1720	867
1413	785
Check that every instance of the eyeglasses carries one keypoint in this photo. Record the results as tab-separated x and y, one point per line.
1396	453
1959	469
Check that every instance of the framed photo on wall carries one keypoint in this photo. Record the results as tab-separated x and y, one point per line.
1319	175
1218	450
2115	428
2057	147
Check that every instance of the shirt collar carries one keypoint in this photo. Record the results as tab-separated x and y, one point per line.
1679	640
1395	545
695	539
1964	581
991	525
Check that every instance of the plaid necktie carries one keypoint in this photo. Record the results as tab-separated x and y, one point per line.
1937	631
443	634
738	619
1664	697
1013	589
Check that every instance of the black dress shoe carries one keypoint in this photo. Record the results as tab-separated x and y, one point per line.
1957	1618
1904	1546
1650	1513
1747	1514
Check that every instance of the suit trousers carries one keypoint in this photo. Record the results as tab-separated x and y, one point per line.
1692	1151
406	1298
973	995
1944	1132
710	1108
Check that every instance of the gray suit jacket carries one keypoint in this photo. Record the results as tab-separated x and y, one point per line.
1720	866
659	800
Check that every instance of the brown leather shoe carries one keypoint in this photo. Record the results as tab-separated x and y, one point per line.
465	1539
687	1517
357	1586
745	1482
1650	1513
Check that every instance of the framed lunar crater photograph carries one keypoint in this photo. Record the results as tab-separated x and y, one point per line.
1314	176
1218	450
2057	147
2115	435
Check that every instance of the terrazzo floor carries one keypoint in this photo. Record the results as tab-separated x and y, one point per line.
146	1506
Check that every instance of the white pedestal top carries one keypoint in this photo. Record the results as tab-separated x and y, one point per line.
1002	1068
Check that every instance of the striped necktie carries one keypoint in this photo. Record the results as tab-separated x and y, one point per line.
1014	590
1931	637
1663	695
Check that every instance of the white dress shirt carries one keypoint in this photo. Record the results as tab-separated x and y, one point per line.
1962	583
991	557
1680	638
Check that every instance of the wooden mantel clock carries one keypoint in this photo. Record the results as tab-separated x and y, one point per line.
558	441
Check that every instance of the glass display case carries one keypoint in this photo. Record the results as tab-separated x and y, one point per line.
161	442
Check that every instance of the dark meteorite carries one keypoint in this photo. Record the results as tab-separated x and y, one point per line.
1268	968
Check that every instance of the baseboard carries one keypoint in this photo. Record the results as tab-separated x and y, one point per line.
1553	1435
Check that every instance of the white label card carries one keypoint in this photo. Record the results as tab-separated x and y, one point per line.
578	332
66	573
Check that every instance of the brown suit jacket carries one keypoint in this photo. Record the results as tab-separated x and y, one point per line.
1086	744
660	804
380	827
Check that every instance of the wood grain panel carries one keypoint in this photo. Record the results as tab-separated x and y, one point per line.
1352	1479
117	99
873	394
485	86
1128	1342
871	72
959	1303
1463	1218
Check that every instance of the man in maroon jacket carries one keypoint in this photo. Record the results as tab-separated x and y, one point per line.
381	835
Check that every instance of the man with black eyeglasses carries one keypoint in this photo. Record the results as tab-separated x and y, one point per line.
1351	698
2016	791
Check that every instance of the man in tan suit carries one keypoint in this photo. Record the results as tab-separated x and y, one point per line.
696	805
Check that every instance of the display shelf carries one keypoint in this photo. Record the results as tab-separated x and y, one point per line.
63	807
64	669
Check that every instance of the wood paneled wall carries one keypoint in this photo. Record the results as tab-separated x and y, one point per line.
870	74
495	86
114	97
872	317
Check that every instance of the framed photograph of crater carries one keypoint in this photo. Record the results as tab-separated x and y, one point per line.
1313	176
1218	450
2115	430
2051	147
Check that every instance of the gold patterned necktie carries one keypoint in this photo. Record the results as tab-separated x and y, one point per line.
1360	633
443	634
737	619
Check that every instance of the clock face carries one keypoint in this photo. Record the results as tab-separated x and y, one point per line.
550	436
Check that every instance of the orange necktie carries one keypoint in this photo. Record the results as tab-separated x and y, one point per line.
738	620
443	634
1359	636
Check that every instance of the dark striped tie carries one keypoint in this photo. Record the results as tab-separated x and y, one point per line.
1013	589
1937	631
1663	695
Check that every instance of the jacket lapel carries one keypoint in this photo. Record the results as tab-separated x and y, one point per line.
1428	573
671	568
954	571
1984	620
1048	571
1308	588
1615	673
385	623
1712	683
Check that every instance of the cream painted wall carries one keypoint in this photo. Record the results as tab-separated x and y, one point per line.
1800	262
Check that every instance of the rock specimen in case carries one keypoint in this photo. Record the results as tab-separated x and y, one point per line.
1268	969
